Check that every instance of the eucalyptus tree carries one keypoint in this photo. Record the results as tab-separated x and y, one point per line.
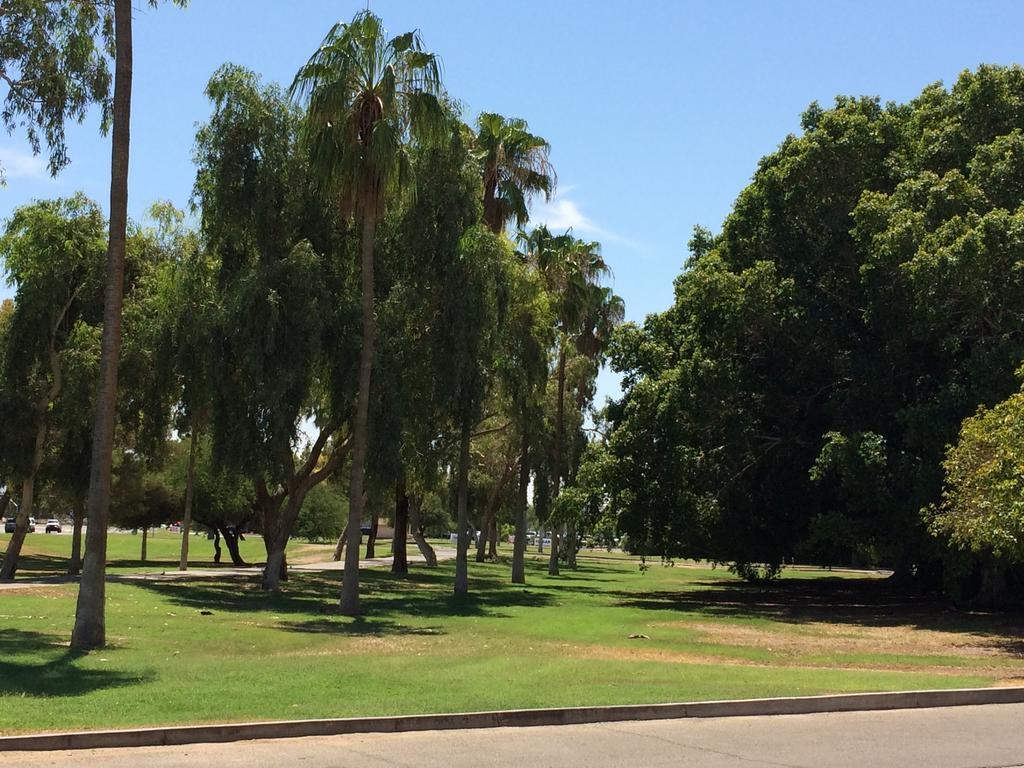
418	251
472	302
284	310
181	320
522	371
53	253
366	97
54	62
515	166
67	463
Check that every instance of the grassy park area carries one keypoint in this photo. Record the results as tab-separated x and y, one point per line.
556	641
47	555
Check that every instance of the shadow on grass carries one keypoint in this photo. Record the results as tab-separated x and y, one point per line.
861	602
36	565
424	593
35	664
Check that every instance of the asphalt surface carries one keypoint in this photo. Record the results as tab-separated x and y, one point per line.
990	736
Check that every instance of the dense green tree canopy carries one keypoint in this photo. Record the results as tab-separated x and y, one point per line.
863	297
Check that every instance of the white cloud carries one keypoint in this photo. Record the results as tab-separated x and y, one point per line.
563	212
19	164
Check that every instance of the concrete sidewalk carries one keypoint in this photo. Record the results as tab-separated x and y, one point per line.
953	737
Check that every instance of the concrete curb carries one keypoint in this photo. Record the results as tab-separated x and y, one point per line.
282	729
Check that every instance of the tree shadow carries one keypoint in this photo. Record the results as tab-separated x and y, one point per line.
34	664
360	626
855	601
388	598
34	565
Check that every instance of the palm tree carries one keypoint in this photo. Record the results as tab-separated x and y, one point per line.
571	270
515	168
90	621
602	312
366	96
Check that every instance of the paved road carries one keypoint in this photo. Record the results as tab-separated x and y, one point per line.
956	737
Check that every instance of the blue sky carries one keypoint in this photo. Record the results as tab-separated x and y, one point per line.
657	111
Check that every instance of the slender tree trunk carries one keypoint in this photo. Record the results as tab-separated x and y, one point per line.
559	441
350	583
462	506
78	517
340	546
519	543
10	566
28	486
145	541
429	556
399	548
90	619
492	536
216	546
570	543
190	483
487	546
371	537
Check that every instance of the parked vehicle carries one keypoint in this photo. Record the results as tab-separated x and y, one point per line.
11	522
53	525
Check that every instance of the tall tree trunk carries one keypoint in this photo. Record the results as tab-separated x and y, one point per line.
350	582
429	556
77	517
190	483
399	548
371	537
145	541
519	543
462	507
90	619
559	443
340	546
216	546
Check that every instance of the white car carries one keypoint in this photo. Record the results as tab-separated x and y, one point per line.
53	525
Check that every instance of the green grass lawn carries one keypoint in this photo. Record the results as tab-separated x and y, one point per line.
47	554
555	642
